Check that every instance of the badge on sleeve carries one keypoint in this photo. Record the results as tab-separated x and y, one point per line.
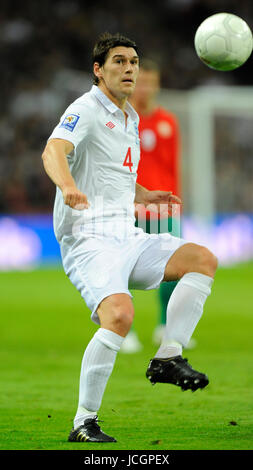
70	121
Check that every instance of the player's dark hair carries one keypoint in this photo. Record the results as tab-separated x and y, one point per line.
105	42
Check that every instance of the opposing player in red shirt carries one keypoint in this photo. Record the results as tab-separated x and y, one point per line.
159	167
159	134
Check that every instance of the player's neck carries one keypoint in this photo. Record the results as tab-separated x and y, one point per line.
120	102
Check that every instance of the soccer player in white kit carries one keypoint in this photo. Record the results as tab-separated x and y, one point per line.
92	156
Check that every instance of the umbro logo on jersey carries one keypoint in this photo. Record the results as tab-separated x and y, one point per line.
110	125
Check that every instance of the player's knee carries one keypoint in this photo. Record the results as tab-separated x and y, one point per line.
116	313
122	316
207	262
214	263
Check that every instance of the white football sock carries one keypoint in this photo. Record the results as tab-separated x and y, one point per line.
97	365
184	311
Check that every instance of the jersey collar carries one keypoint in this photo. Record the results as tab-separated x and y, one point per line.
110	106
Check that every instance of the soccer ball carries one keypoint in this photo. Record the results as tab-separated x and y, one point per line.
223	41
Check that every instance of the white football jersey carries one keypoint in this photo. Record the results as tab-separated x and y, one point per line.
103	164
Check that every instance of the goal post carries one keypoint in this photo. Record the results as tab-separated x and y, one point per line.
197	111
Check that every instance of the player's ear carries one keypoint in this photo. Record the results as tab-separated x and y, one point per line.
97	70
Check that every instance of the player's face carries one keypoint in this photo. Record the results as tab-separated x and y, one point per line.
119	73
147	86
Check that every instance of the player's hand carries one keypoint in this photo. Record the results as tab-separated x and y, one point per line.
161	202
75	198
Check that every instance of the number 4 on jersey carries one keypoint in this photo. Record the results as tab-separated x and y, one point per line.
128	159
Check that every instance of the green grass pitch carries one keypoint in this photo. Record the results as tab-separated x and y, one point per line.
45	327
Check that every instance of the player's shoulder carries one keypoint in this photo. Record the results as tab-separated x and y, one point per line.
82	111
84	103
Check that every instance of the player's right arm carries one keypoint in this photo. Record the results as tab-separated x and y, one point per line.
56	166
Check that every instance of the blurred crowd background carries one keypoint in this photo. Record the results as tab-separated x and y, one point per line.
45	50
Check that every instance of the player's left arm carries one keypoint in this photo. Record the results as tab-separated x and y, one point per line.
156	201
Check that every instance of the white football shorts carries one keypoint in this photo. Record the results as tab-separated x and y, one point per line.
104	265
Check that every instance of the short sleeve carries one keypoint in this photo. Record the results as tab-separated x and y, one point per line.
75	124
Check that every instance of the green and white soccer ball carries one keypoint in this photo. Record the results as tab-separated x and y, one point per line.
223	41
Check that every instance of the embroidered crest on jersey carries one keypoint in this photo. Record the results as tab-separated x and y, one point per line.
110	125
70	121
